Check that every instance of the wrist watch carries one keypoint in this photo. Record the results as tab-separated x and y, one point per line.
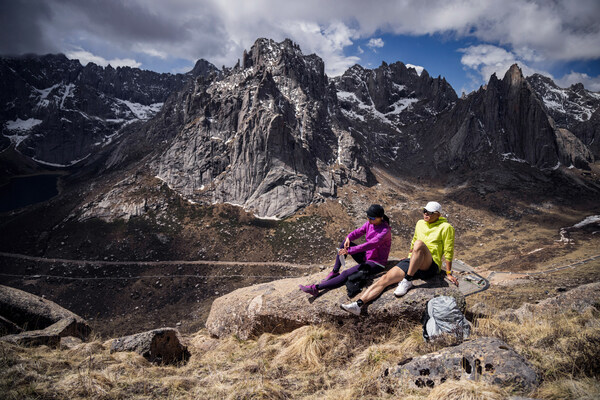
449	272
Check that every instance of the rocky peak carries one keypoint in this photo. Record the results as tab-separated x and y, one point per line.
264	135
267	53
392	94
202	68
514	76
577	87
509	120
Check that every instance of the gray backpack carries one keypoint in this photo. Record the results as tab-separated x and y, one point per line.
444	316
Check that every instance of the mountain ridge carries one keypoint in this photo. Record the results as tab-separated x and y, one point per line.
274	134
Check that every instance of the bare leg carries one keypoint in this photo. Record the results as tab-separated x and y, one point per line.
420	259
394	275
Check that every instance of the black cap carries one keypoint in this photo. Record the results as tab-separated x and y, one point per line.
375	211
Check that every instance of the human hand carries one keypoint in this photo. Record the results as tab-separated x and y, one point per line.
346	243
452	279
343	252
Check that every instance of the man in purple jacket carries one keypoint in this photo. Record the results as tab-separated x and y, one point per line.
372	254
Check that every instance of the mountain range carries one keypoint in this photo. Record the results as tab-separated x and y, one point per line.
274	133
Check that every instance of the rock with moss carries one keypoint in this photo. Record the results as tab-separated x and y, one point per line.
487	359
280	307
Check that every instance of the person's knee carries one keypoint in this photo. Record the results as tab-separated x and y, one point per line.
384	281
419	246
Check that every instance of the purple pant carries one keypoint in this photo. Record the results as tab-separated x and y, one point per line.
341	278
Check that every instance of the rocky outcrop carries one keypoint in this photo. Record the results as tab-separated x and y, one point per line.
163	346
572	151
264	136
577	300
487	359
33	312
57	111
41	321
279	307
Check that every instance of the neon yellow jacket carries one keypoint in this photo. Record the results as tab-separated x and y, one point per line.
438	237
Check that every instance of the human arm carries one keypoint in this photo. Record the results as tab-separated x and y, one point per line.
355	234
448	237
412	242
371	243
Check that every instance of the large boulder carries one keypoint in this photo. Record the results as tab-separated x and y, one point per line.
487	359
34	313
279	307
162	345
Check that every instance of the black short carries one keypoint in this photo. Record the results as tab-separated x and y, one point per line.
432	271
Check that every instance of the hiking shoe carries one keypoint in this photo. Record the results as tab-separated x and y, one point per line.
310	289
332	275
353	308
403	287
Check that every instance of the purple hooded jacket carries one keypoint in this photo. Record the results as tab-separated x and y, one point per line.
378	241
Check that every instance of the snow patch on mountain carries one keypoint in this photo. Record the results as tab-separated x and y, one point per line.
70	164
22	125
401	105
512	157
141	111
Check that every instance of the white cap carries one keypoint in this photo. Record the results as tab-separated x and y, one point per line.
433	206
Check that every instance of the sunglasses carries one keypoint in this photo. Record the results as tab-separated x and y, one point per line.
371	218
428	212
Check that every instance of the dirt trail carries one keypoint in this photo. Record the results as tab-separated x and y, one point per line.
158	263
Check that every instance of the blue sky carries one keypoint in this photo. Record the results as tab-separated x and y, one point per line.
463	40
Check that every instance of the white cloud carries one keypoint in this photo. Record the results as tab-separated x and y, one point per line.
375	43
360	50
151	51
486	60
590	83
86	57
534	32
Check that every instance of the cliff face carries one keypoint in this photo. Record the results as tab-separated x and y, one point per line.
505	121
266	136
56	111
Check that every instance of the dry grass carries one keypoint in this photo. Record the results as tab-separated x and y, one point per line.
567	389
559	345
467	390
312	362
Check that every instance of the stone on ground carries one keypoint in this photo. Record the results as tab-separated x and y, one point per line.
487	359
162	345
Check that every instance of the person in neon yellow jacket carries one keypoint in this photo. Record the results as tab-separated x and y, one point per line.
433	239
